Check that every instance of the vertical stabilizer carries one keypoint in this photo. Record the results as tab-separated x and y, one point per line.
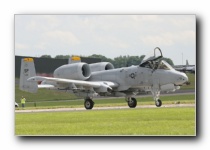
27	70
74	59
187	64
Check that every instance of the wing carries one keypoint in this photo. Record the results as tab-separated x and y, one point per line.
91	84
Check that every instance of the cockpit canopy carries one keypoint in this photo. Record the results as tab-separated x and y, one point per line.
154	62
151	58
158	65
164	65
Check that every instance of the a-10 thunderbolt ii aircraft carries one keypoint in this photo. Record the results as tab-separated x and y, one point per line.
89	80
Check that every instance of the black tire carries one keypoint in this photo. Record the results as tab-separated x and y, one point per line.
88	103
132	103
158	103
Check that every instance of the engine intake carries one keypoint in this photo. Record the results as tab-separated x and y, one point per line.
77	71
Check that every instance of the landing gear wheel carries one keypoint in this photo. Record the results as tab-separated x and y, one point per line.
132	102
88	103
158	103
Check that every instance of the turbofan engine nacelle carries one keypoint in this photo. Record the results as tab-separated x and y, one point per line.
76	71
101	66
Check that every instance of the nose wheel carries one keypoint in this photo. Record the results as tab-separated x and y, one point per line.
156	94
158	103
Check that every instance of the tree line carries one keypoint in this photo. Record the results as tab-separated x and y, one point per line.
118	62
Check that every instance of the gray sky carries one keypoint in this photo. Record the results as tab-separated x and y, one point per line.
108	35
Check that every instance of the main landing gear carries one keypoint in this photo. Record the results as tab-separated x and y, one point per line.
158	103
132	102
88	103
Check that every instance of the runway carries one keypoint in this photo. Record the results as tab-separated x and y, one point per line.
104	108
179	92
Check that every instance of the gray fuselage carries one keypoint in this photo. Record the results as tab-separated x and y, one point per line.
135	76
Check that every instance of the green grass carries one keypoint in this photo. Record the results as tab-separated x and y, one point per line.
43	95
152	121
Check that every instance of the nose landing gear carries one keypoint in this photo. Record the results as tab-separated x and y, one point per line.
156	95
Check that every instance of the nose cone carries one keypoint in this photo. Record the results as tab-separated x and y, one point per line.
185	78
182	78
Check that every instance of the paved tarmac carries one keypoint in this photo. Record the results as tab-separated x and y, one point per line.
103	108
